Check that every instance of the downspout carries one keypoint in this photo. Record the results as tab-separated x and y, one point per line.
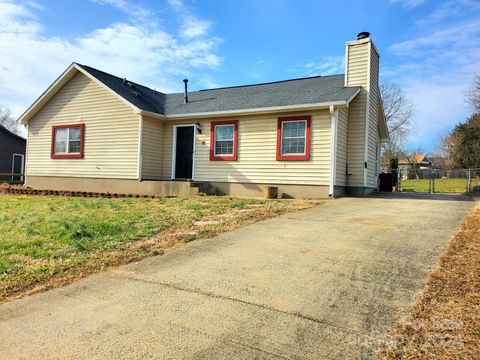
139	152
333	148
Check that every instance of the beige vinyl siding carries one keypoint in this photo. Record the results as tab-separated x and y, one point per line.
357	75
357	64
257	142
111	133
356	139
152	149
363	136
373	135
341	151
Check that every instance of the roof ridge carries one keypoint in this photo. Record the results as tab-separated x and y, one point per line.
272	82
212	89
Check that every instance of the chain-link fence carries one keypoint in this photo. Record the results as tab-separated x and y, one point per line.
439	180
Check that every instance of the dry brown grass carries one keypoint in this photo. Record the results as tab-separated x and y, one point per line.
445	322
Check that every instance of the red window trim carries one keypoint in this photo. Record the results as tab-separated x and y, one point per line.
67	156
304	157
233	157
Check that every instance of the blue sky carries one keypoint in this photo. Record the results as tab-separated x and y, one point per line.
430	48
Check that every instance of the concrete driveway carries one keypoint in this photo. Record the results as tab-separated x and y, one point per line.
324	283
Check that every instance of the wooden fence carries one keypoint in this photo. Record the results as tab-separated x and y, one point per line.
12	178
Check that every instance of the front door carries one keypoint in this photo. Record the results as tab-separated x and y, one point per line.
184	152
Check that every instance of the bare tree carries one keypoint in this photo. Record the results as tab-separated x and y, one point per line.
448	152
398	112
473	95
9	122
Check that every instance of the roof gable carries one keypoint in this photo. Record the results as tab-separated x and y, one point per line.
57	85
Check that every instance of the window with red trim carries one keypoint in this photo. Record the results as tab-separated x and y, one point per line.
293	138
224	140
67	141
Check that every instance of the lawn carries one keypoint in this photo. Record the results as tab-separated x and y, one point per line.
441	185
49	241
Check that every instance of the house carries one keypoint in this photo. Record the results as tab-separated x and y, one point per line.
414	167
12	155
414	162
312	137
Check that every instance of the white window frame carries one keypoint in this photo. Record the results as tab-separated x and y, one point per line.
215	140
304	137
67	147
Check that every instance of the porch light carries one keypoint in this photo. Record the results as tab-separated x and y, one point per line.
199	128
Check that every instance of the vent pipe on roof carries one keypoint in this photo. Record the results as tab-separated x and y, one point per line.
363	35
185	95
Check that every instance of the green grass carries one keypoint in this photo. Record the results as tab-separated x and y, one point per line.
441	185
45	240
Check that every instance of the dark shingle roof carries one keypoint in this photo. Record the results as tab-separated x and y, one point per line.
141	96
318	89
12	134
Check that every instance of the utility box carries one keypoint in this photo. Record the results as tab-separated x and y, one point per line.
386	182
270	192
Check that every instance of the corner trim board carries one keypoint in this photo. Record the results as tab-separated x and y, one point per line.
139	151
333	144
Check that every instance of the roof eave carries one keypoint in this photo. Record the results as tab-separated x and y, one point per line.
151	114
47	94
382	124
288	108
353	96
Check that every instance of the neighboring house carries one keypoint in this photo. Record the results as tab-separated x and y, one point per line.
414	162
12	155
312	137
414	167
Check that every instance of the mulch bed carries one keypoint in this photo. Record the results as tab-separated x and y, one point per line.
24	190
445	322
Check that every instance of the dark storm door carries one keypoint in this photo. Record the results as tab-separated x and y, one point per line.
184	152
17	167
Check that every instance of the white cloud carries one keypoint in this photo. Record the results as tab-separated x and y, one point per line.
458	37
140	51
328	65
135	11
409	4
449	9
435	70
192	26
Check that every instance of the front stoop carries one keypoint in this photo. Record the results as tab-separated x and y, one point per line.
205	188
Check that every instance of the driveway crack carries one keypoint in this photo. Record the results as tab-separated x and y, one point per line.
145	279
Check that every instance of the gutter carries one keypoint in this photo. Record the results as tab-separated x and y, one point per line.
323	105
